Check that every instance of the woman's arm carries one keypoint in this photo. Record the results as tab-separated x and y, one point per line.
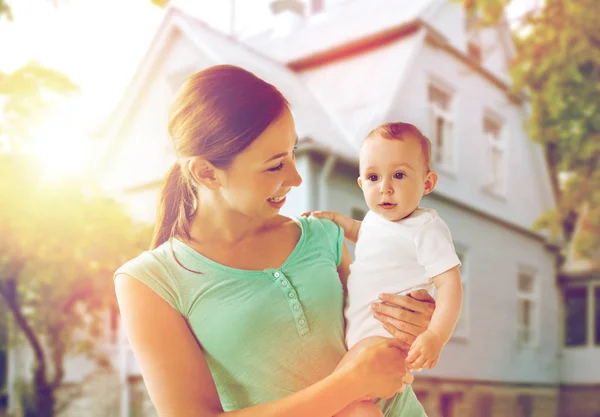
180	383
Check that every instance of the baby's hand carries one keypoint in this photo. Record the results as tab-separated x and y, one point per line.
329	215
424	351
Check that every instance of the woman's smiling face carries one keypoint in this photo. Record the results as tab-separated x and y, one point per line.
259	178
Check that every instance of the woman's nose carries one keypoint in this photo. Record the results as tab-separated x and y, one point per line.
294	178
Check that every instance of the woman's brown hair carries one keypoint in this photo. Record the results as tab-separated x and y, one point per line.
216	114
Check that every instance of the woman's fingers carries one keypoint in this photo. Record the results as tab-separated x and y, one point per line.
422	295
403	340
399	313
400	325
425	306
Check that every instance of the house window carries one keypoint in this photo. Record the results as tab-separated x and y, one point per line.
492	132
448	402
575	316
357	213
527	305
461	329
440	122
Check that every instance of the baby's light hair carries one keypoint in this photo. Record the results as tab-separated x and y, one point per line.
404	131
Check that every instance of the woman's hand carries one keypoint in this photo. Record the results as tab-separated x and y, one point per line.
378	370
405	316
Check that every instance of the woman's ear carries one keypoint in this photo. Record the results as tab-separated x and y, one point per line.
203	172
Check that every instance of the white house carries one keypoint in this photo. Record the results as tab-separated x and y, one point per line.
346	67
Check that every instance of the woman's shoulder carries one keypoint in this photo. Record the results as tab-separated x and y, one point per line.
318	227
322	236
151	267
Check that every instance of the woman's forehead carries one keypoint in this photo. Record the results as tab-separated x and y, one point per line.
274	140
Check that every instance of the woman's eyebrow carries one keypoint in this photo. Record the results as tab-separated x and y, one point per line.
279	155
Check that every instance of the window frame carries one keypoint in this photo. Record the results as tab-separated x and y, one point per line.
434	110
495	185
587	314
534	298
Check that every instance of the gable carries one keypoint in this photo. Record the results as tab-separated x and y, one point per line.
495	42
359	89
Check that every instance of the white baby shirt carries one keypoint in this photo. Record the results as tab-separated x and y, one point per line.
394	257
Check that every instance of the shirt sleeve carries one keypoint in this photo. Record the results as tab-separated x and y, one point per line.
332	236
435	250
148	269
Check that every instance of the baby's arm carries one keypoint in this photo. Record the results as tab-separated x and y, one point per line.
425	350
350	226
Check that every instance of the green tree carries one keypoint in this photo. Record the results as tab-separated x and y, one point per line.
28	93
61	242
557	65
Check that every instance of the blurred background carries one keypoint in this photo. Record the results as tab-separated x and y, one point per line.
507	91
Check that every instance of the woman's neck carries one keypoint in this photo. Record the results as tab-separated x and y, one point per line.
218	225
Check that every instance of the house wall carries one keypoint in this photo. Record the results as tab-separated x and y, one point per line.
528	192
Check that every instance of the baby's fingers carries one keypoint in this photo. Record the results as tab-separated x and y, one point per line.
413	354
418	363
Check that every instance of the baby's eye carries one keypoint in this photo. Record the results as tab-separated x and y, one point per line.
372	177
399	175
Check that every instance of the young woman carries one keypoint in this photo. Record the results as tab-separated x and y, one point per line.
237	310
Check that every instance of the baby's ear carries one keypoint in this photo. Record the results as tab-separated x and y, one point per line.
359	181
430	182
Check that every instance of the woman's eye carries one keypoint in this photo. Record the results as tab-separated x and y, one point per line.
399	175
372	178
277	168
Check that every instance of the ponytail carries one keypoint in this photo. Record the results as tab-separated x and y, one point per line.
175	206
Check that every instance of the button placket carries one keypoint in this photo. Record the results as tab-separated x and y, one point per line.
291	295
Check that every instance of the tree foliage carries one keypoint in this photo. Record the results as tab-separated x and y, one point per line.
61	242
28	93
557	64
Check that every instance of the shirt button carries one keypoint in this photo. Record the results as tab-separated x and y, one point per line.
291	294
276	274
296	307
301	322
284	283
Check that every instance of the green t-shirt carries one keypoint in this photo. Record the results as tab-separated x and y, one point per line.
265	334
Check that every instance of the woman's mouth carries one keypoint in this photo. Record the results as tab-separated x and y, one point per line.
276	202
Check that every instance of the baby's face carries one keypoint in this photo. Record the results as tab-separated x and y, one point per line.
393	176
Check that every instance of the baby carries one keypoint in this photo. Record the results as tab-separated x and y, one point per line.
400	247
